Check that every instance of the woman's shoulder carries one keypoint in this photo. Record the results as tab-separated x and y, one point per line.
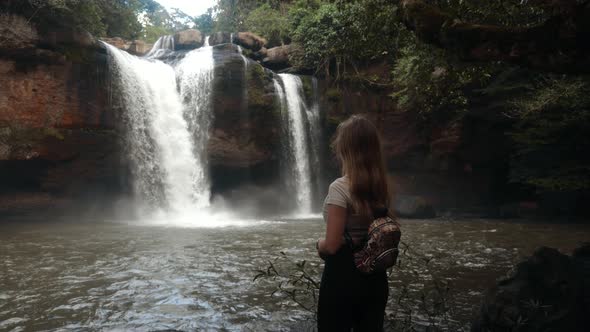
340	185
338	193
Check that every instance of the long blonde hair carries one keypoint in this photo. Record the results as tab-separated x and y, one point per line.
358	147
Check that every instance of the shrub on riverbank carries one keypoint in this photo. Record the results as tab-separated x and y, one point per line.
425	304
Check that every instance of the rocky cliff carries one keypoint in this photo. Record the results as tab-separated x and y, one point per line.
57	132
59	137
245	141
60	143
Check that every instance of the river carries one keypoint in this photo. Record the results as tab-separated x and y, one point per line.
100	275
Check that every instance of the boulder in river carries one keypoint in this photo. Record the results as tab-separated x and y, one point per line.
249	40
278	57
260	55
549	291
188	39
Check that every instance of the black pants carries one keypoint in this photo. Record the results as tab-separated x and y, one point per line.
348	299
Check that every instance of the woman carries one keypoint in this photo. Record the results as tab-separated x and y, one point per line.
348	299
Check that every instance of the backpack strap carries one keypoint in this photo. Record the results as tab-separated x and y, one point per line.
348	239
377	213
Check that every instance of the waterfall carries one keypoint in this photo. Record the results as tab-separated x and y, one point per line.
315	130
240	50
167	118
302	123
162	46
158	141
195	78
244	59
280	92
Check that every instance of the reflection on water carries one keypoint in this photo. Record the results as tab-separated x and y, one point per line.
110	276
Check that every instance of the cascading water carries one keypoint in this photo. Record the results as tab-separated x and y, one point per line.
302	125
159	143
168	114
240	50
315	131
244	59
280	92
163	45
195	77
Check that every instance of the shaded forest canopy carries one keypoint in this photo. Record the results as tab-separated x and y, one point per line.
521	62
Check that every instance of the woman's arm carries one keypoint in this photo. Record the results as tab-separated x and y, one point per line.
334	230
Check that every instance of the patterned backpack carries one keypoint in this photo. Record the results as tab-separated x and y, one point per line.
380	250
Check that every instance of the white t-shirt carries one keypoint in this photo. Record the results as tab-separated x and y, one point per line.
339	195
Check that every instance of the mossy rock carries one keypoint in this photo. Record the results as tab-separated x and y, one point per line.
334	95
256	72
54	133
78	54
261	94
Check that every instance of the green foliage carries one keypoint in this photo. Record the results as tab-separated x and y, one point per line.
205	22
269	23
101	17
333	94
157	21
552	142
151	33
129	19
89	17
318	33
432	85
53	132
335	36
120	18
230	14
502	12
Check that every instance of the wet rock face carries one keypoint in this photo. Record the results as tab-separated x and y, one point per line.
249	40
68	37
57	130
245	135
547	292
68	95
16	32
457	168
278	57
407	206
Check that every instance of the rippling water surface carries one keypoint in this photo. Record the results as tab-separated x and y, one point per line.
111	276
